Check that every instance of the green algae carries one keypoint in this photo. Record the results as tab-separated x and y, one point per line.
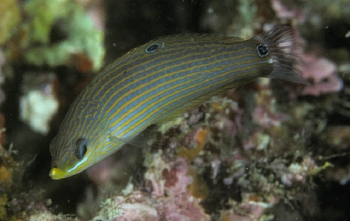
83	37
31	35
10	18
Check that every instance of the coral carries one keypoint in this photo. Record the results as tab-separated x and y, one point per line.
321	72
190	153
5	176
284	12
15	205
182	207
8	167
169	178
38	109
198	187
131	207
38	104
30	37
83	44
46	216
10	18
323	75
237	157
170	199
43	217
265	113
251	209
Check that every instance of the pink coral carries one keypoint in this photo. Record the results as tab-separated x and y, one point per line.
170	177
179	204
182	207
323	75
321	71
154	177
136	211
176	179
284	12
295	172
164	177
266	118
251	208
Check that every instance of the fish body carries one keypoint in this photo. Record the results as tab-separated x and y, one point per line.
158	81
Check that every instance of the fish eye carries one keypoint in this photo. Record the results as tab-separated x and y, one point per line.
262	50
152	48
80	148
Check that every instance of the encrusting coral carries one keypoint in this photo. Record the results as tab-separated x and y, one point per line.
240	156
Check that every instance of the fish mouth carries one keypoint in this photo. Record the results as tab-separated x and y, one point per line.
57	174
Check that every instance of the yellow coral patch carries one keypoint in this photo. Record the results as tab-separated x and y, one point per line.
198	188
190	154
5	176
10	18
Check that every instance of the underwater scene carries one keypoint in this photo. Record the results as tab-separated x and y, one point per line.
174	110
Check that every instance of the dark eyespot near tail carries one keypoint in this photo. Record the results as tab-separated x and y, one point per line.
80	148
262	50
153	48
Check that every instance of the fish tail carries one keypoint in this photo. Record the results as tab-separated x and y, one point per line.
281	46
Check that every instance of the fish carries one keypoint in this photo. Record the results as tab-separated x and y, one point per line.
159	81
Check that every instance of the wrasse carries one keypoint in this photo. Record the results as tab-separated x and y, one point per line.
158	81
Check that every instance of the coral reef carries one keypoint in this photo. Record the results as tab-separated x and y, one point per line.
323	75
168	199
264	151
38	104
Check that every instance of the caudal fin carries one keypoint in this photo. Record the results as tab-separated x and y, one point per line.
281	46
